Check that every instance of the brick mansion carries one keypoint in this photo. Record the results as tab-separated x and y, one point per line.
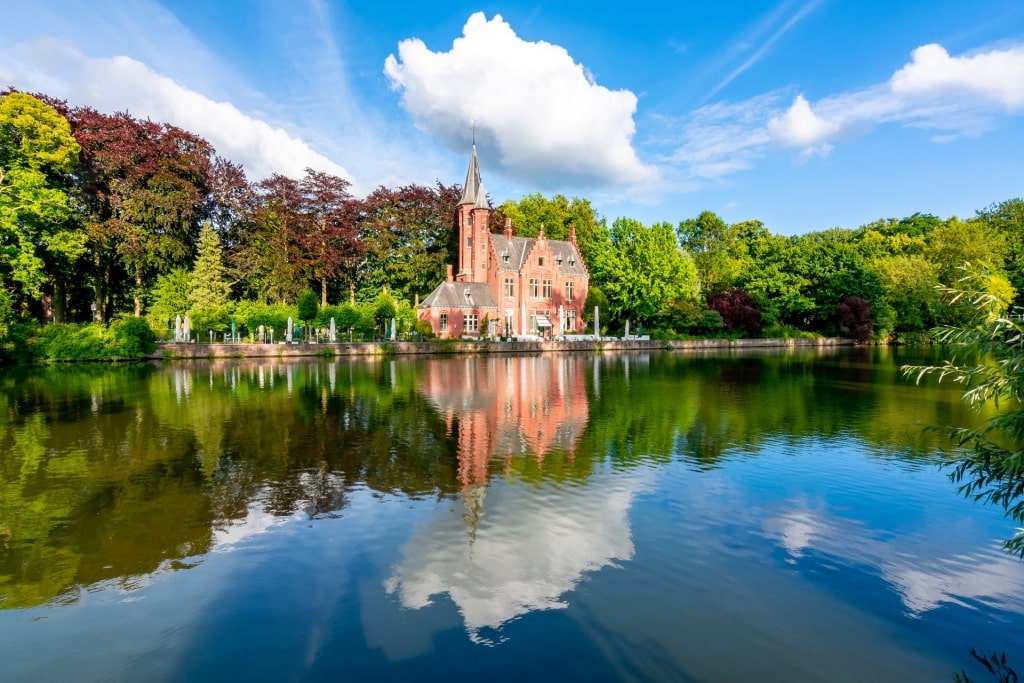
506	285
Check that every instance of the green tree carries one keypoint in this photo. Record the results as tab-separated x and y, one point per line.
644	270
268	256
988	361
831	268
716	247
384	309
38	238
1007	218
958	242
170	295
209	288
909	291
777	281
307	306
7	346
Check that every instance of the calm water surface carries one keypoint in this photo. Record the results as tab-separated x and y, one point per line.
773	517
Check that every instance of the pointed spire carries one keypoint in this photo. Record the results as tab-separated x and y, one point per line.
473	189
481	198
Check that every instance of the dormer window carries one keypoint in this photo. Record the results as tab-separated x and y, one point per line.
504	257
558	259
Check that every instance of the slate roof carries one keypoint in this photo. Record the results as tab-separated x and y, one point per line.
461	295
473	189
518	247
572	261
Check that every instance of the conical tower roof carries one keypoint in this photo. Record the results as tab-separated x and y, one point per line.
473	189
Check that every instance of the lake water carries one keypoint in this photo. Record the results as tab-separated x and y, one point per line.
644	516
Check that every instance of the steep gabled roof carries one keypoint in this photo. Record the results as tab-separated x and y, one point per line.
516	249
567	257
461	295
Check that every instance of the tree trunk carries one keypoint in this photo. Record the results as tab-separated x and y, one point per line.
99	291
137	294
60	299
323	291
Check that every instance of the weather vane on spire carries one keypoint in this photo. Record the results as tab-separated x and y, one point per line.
472	127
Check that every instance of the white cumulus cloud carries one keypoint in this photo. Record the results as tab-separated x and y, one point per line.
996	76
542	113
124	84
800	127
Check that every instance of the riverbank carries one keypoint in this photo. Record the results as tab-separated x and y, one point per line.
467	347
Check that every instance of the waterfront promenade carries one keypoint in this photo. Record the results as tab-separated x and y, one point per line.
182	351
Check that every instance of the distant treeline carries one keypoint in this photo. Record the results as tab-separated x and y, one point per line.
105	216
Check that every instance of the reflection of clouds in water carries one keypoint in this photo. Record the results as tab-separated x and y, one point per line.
526	551
257	521
794	530
988	576
996	580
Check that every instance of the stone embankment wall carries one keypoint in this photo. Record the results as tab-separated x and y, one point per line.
187	351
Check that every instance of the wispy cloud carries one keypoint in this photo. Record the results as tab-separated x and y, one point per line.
756	39
956	96
125	84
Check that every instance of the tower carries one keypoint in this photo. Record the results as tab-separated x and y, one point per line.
474	216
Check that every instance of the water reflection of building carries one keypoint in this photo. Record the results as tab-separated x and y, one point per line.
513	549
501	407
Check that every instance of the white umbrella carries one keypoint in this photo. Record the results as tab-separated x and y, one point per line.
188	330
393	335
177	328
288	333
597	323
334	331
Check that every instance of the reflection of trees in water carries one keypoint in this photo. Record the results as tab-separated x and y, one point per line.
124	471
118	471
701	408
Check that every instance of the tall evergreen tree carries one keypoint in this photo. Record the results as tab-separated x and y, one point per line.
210	287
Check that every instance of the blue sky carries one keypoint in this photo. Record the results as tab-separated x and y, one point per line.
803	114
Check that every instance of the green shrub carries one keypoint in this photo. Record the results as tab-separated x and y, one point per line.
126	339
424	329
130	338
70	342
15	344
780	331
216	319
253	314
711	323
307	306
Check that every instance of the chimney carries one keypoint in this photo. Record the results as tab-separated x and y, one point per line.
448	276
508	228
541	235
572	235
